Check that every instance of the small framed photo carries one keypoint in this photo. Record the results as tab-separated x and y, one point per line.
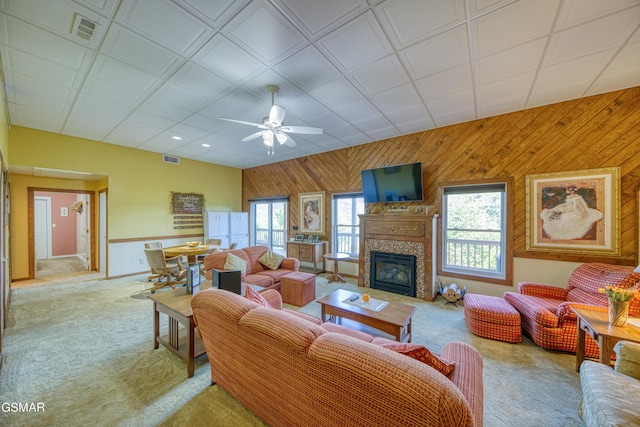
193	279
316	239
310	238
299	237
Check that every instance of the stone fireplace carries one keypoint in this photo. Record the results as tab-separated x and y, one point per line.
408	235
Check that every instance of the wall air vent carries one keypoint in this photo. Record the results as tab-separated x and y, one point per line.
83	27
171	159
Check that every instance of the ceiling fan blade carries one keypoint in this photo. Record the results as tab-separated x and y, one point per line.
276	115
252	136
302	129
260	125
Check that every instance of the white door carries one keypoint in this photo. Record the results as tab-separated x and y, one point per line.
102	225
83	230
42	227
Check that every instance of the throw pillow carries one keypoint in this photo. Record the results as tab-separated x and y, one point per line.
271	260
422	353
233	262
257	298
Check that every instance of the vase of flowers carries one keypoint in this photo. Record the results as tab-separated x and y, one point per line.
618	304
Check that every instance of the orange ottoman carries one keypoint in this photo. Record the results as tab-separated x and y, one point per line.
298	288
492	317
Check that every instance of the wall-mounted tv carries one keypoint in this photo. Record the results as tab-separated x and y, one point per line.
400	183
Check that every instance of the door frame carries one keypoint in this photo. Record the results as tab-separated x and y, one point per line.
31	232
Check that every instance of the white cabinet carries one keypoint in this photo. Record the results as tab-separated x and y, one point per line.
239	229
216	226
229	227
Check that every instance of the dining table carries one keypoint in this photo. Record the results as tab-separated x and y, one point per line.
191	252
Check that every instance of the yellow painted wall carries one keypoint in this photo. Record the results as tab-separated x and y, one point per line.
139	185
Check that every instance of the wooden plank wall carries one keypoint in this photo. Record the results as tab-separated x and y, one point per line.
594	132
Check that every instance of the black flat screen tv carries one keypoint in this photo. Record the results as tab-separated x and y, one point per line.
400	183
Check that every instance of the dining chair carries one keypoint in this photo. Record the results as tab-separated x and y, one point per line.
208	242
167	271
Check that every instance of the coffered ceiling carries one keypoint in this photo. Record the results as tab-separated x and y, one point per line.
363	70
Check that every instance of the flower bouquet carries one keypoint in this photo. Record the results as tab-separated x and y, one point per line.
618	303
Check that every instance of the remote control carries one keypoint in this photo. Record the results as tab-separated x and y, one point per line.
355	297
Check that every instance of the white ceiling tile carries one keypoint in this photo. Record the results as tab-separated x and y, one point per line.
414	126
373	124
19	83
308	68
510	62
601	34
407	21
214	11
342	132
450	103
136	51
380	134
304	106
551	95
26	116
122	74
89	124
163	109
502	106
189	132
196	79
165	23
336	93
87	102
109	91
258	87
459	116
615	81
320	16
509	87
204	123
357	110
184	98
237	64
408	113
39	68
38	102
44	44
481	7
103	7
149	119
131	133
512	25
328	119
381	75
628	58
575	12
446	82
263	30
397	97
587	67
358	43
450	49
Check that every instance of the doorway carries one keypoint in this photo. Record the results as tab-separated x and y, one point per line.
61	239
268	219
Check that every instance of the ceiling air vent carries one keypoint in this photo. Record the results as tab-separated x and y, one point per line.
171	159
83	27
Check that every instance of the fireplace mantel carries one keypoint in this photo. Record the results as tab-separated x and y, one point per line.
405	234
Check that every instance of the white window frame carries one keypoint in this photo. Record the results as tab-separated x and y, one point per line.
355	234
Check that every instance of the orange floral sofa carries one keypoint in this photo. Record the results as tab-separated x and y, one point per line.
257	274
289	370
545	310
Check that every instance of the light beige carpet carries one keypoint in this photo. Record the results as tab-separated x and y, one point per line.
84	349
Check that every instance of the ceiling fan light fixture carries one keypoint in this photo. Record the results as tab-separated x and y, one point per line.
282	138
267	137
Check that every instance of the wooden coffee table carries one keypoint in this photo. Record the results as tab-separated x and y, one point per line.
394	318
181	341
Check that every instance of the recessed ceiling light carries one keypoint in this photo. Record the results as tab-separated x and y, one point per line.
206	145
177	138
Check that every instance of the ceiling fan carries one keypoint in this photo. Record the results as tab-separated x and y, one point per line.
273	128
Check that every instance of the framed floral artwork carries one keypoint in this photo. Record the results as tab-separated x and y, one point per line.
574	212
311	213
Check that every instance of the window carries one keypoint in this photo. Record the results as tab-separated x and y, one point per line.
268	219
474	231
346	224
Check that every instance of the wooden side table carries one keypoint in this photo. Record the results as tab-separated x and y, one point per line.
336	257
596	324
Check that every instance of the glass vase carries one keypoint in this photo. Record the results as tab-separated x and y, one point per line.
618	312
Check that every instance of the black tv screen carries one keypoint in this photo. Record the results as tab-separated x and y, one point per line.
400	183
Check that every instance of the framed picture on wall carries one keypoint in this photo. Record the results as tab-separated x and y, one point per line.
574	212
311	217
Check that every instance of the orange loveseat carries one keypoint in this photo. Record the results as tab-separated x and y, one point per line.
257	274
290	371
545	310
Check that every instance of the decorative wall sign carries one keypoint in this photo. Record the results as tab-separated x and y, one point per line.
312	213
574	212
187	210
